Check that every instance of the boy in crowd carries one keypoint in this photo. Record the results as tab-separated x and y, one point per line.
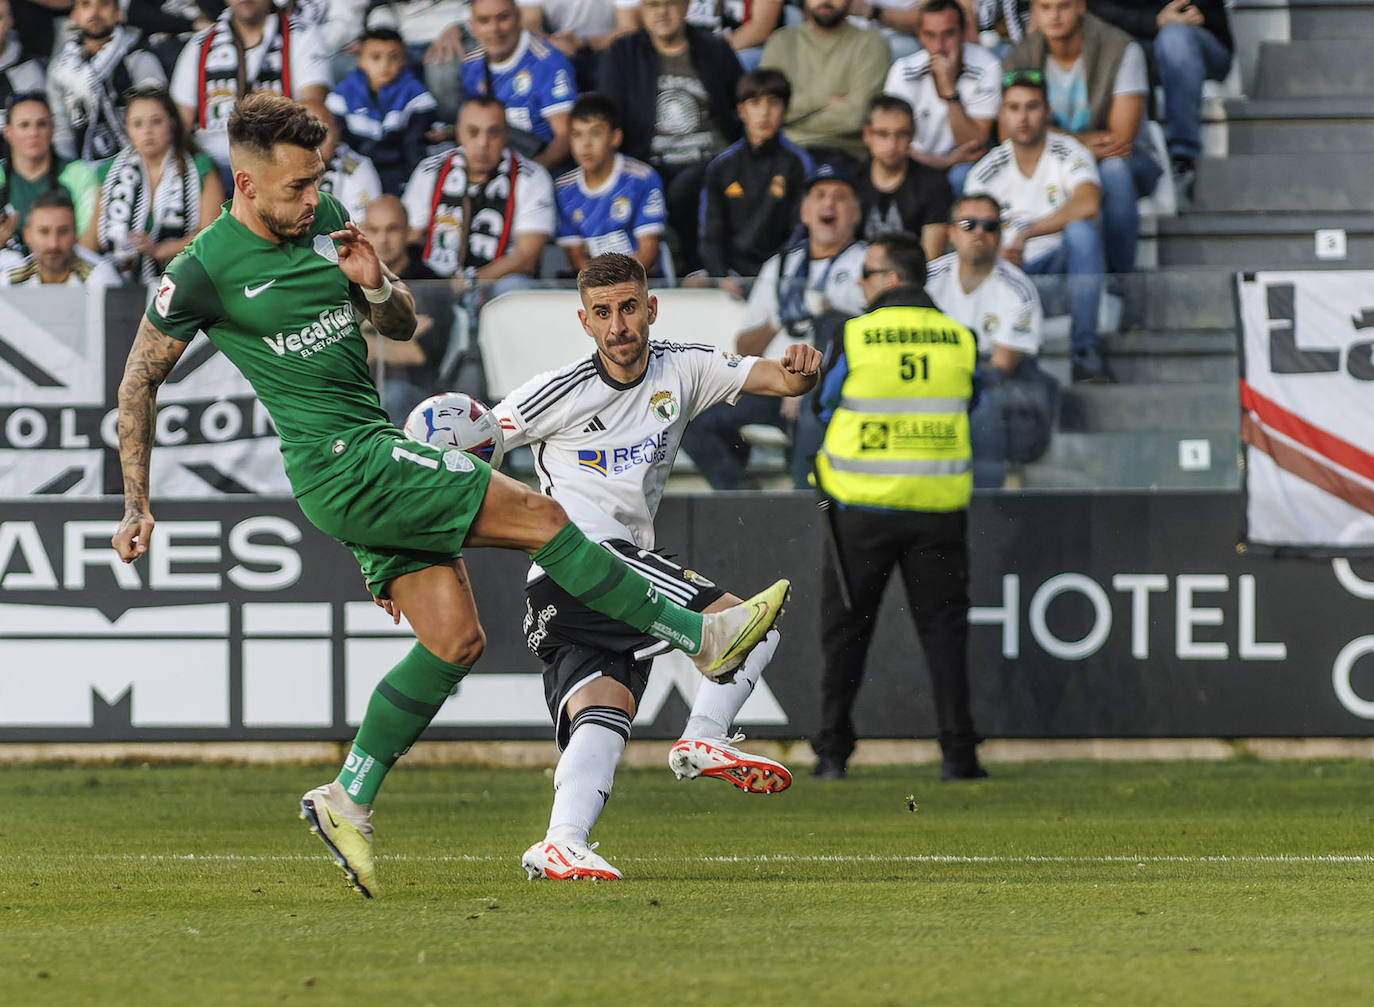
383	110
753	189
609	202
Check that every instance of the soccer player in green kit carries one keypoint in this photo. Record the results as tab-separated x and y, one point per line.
275	283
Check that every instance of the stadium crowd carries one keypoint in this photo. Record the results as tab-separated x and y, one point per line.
735	143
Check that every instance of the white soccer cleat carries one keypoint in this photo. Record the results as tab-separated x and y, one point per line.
728	636
567	862
717	757
346	831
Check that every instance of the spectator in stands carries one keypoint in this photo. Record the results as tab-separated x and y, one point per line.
581	31
481	212
954	89
998	302
252	47
167	28
745	24
33	167
1191	41
1047	186
1097	85
350	177
1008	19
411	368
753	189
835	70
55	257
159	173
802	294
532	79
896	192
36	25
87	81
18	73
610	202
675	85
383	110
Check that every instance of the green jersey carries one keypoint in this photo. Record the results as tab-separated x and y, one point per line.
281	314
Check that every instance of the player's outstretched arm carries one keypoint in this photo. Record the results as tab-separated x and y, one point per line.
150	361
794	374
386	302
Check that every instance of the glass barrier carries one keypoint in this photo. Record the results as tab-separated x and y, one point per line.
1169	419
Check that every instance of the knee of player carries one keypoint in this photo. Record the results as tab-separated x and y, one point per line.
462	646
547	513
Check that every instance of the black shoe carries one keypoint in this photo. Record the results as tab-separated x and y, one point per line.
827	768
962	769
1099	375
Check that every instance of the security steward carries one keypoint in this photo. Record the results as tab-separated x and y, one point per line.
895	473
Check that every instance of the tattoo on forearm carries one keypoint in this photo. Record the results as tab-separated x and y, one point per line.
150	361
395	317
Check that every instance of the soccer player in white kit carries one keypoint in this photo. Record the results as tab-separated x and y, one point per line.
605	432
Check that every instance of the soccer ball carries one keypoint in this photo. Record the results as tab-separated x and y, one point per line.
455	420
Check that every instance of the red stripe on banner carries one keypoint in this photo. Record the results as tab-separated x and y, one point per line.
1293	461
1290	424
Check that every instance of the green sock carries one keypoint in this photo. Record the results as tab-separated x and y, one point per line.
601	581
402	706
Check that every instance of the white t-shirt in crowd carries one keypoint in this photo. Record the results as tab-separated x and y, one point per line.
979	87
836	279
1004	309
585	18
1064	165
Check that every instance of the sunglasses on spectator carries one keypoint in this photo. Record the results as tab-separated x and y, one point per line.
1023	78
868	272
988	225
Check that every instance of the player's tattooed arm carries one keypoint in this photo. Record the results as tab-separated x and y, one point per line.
150	361
394	318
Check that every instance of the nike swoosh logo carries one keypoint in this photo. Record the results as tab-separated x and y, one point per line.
333	822
251	292
760	612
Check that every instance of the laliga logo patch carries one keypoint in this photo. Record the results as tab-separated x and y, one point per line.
458	461
165	291
324	247
620	208
592	459
521	83
663	405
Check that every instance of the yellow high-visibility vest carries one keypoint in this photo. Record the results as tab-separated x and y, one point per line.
899	438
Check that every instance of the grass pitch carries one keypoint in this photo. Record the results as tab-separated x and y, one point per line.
1216	883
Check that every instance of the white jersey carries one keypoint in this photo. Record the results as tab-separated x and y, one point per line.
1064	165
1004	309
604	449
979	87
835	280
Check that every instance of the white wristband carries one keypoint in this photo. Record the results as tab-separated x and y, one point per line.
381	294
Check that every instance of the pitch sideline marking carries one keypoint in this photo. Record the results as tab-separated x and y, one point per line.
926	858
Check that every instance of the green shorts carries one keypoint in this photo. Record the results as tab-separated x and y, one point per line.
399	505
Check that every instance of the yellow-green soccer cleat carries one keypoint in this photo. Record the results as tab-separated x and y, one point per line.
347	834
728	636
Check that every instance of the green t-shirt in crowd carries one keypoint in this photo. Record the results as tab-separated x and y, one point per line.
281	314
77	177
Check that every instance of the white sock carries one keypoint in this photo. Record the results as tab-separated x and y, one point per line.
582	781
718	703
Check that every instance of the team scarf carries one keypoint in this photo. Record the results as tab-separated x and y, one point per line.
453	200
223	90
126	201
96	83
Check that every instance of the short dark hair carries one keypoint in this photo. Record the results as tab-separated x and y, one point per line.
594	105
262	120
889	103
610	268
19	97
980	197
902	249
381	35
939	6
52	199
764	82
482	101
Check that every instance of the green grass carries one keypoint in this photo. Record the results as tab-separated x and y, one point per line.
196	885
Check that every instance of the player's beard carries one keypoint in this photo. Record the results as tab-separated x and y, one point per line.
281	227
629	350
829	18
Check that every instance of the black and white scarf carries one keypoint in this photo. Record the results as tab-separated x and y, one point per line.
125	202
93	85
469	223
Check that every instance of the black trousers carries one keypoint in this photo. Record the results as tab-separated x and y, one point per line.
931	549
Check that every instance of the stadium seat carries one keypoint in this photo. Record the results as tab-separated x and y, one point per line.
698	316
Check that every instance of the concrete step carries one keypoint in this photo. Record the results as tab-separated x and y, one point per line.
1134	365
1179	300
1329	19
1314	69
1298	126
1185	409
1135	460
1287	183
1263	240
